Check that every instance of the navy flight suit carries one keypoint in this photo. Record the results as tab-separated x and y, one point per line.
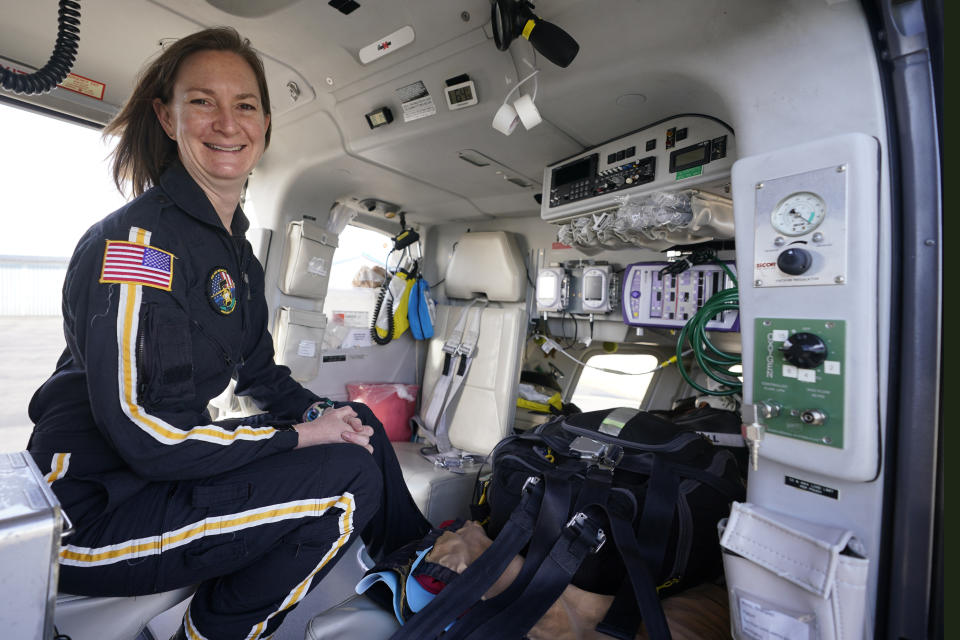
161	496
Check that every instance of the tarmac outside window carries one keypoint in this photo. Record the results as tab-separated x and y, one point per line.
602	390
59	184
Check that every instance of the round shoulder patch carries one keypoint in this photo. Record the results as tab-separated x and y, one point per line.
222	291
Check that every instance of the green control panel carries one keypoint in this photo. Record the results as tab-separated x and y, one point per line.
798	378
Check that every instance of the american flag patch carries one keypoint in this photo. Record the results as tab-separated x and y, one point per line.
134	263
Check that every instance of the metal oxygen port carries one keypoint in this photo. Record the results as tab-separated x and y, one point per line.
813	417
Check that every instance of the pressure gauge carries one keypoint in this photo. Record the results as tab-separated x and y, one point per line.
798	213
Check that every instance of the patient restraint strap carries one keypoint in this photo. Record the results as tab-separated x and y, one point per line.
482	573
458	352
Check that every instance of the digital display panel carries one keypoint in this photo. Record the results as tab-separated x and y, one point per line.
571	173
688	157
461	94
693	156
593	288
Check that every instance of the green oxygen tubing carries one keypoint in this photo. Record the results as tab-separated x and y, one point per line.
714	362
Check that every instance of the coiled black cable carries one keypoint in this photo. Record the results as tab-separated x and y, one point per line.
60	62
384	297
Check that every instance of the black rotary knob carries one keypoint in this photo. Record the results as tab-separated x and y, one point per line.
794	261
804	350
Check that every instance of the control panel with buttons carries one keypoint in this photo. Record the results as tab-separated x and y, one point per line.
798	371
652	298
800	212
696	151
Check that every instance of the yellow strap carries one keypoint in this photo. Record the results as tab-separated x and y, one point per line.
527	28
555	401
532	406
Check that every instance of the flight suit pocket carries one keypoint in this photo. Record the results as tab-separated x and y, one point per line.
318	534
209	553
219	496
164	358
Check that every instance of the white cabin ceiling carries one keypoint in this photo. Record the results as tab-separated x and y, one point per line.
639	61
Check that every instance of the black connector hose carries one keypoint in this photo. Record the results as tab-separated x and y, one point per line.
60	62
385	297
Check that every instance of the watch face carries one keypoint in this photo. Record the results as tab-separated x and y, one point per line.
798	213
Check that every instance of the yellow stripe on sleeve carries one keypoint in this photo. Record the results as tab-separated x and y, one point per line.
128	321
58	467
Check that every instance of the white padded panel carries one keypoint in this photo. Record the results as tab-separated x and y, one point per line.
489	263
484	413
439	493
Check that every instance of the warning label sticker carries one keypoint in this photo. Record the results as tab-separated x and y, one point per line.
812	487
73	82
84	86
416	101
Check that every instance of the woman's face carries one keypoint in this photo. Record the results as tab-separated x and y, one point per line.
216	117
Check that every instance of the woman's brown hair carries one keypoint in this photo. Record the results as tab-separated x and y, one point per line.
144	151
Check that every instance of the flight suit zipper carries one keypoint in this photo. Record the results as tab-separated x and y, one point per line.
243	256
216	343
142	367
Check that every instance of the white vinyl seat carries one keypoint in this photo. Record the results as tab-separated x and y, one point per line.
121	618
488	264
358	618
483	263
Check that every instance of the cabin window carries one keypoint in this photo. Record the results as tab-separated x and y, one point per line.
355	278
598	389
57	183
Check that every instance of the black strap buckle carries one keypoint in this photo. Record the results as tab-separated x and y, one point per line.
530	483
578	523
610	457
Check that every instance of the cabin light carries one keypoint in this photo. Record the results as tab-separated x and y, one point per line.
475	158
379	117
631	100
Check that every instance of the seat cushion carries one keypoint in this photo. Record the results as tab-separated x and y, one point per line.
82	617
441	494
358	619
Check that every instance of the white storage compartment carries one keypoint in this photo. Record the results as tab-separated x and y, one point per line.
791	578
307	256
30	525
298	337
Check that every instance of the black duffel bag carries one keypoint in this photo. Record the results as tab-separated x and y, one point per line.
616	501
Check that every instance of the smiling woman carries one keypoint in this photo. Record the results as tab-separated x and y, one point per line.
217	119
164	305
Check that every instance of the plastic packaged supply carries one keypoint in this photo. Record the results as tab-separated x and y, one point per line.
334	335
369	277
393	404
